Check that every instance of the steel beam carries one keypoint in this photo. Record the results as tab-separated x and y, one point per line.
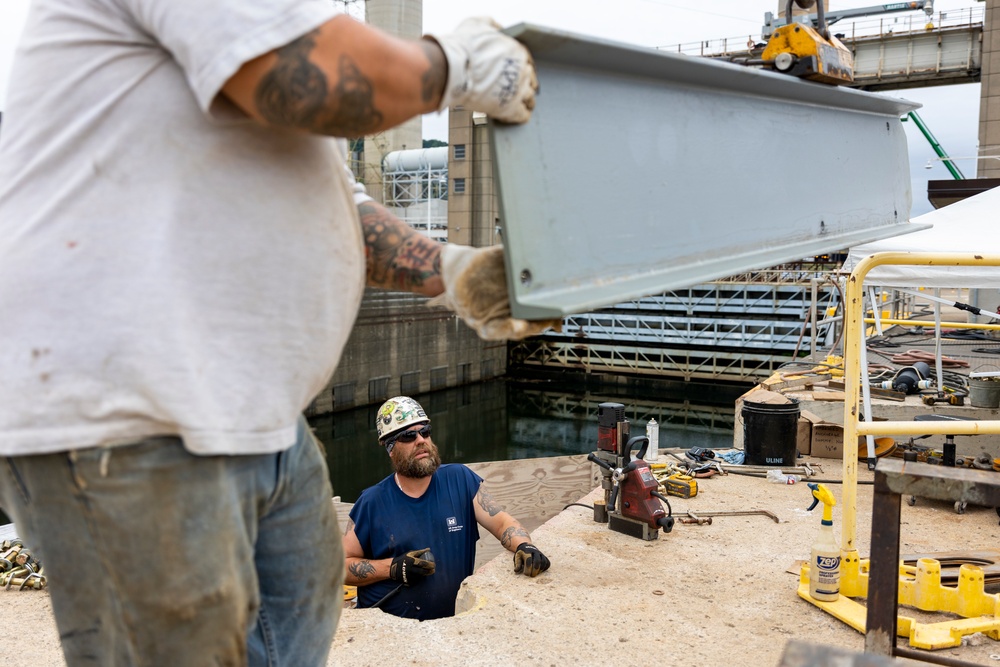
642	171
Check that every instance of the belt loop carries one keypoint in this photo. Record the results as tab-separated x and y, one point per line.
105	459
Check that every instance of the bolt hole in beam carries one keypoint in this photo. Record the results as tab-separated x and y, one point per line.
642	171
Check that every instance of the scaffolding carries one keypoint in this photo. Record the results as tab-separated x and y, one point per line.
735	330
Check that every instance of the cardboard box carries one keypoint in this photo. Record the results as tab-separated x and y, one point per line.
828	441
803	435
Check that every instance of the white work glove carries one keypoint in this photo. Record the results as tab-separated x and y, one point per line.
475	289
488	71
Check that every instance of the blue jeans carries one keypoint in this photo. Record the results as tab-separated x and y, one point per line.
156	556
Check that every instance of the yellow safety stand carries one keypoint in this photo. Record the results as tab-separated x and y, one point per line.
919	586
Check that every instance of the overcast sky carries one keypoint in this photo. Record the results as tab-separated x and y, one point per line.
951	112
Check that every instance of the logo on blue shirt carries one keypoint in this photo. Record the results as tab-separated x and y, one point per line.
453	524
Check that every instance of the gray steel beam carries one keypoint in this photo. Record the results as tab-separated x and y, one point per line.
642	171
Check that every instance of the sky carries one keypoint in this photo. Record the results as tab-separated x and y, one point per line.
951	112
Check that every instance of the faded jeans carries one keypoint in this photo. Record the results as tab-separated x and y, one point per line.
155	556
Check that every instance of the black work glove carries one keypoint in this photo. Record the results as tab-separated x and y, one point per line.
529	560
411	566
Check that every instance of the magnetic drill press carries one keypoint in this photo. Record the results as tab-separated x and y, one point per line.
630	490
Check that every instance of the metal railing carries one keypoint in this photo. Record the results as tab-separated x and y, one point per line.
853	334
848	30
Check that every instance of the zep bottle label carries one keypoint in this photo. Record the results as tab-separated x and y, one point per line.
827	574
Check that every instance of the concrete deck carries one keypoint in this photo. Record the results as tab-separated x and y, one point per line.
701	595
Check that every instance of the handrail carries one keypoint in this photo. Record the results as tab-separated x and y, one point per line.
854	321
851	29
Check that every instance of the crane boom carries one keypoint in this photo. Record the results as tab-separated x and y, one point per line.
771	22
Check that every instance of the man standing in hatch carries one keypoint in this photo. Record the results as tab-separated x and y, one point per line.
412	537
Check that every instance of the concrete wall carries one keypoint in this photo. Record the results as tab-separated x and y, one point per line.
400	346
473	218
403	18
989	97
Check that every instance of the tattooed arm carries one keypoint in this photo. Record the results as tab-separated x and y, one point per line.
397	256
343	79
362	571
502	525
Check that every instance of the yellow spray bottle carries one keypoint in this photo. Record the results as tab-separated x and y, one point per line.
824	561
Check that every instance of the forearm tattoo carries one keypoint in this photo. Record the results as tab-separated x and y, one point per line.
296	93
487	502
433	81
362	569
511	533
397	256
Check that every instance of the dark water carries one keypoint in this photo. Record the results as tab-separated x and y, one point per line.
501	420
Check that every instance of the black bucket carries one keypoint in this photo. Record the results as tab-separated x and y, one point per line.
769	433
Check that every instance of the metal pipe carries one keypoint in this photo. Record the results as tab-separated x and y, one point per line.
929	427
947	302
866	390
814	298
956	173
924	656
925	323
938	366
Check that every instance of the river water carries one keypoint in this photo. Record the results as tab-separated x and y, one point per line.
503	420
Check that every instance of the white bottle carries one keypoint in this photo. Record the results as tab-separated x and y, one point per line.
653	433
824	560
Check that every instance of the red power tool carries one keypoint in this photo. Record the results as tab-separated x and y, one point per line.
630	490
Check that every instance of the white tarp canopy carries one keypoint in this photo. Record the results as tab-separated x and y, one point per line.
971	225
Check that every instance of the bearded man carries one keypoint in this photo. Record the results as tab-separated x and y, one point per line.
412	537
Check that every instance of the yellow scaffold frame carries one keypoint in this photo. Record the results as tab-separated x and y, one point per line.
920	587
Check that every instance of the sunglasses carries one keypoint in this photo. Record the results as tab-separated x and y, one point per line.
407	436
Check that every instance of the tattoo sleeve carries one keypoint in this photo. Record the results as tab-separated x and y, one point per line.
487	502
397	256
296	93
362	569
511	533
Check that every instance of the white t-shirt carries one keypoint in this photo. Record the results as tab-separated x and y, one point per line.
166	265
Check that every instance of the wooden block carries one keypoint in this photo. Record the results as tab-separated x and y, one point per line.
776	382
828	396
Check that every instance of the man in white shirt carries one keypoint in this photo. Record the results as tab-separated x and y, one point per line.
183	254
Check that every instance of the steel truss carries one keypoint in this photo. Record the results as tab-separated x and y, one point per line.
716	331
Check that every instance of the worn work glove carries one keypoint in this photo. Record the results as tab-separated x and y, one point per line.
488	71
475	289
529	560
411	566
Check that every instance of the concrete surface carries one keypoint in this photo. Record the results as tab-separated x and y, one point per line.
701	595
